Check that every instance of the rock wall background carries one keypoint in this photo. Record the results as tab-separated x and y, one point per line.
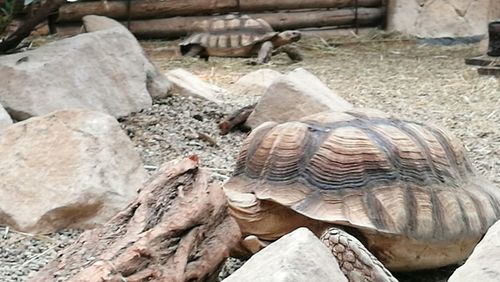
442	18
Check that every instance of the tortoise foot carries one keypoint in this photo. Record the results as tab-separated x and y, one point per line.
292	52
253	244
355	261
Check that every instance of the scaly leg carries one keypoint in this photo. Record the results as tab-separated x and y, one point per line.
265	52
355	261
292	51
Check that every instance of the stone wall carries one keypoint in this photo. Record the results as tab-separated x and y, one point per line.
441	18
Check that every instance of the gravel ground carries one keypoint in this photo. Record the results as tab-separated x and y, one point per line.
424	83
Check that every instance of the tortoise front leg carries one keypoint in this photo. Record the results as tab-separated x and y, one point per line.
292	51
197	50
355	261
265	52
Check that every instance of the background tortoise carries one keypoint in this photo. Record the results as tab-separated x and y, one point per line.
239	36
405	190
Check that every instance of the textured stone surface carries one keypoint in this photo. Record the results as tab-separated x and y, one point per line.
298	256
293	96
72	168
157	84
452	18
256	82
484	262
5	119
104	70
188	84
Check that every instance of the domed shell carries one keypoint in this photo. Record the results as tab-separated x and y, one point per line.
368	171
230	35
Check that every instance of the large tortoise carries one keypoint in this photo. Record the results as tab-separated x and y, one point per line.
239	36
404	190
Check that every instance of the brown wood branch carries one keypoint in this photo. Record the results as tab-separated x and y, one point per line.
25	29
177	229
235	119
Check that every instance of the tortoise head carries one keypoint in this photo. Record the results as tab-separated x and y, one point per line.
286	37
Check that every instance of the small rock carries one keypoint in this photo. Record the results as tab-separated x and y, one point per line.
484	262
256	82
68	169
298	256
5	119
188	84
293	96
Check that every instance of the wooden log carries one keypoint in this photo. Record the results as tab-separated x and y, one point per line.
235	119
483	60
178	229
144	9
181	26
340	17
149	9
489	71
266	5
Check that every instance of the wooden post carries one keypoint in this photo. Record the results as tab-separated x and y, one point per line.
494	38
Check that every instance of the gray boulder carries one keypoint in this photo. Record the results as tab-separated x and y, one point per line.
187	84
72	168
484	262
255	83
157	84
293	96
5	120
299	256
105	71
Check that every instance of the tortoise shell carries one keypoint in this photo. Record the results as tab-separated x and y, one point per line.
229	36
406	189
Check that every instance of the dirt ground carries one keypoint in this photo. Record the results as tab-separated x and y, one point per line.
416	82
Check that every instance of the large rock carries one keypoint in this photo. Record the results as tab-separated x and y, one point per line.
484	262
104	70
293	96
255	83
157	84
298	256
5	120
73	168
187	84
435	19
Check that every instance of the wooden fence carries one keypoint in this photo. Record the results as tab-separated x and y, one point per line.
175	18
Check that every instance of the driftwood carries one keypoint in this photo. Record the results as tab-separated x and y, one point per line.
181	26
148	9
235	119
177	229
26	27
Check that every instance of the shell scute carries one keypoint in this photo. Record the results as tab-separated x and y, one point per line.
371	172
